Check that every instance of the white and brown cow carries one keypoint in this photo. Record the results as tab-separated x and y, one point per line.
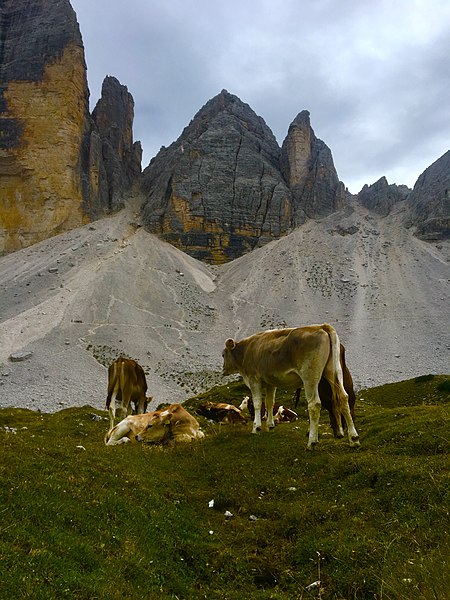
221	412
165	426
126	385
291	357
281	414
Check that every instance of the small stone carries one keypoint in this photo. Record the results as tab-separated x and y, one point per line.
20	356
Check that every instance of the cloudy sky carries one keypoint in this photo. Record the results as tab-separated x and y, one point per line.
374	74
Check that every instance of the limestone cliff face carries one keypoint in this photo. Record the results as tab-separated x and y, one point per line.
44	115
217	191
53	175
307	165
429	202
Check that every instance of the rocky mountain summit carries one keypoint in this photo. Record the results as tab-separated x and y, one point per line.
225	186
217	192
60	167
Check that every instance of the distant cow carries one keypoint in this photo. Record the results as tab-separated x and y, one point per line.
126	385
221	412
281	414
167	425
326	396
292	357
285	415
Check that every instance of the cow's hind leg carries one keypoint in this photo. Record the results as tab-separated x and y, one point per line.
353	437
314	405
270	400
112	409
256	390
125	406
119	434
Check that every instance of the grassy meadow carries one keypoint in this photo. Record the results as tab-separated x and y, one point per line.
236	516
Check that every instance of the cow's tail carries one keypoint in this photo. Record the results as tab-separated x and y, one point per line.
111	384
339	395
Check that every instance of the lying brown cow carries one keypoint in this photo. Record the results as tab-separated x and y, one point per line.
167	425
281	414
292	357
326	397
126	384
221	412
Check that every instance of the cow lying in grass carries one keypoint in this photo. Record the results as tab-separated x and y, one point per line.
165	426
221	413
281	414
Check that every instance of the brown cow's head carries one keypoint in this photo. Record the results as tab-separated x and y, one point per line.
229	361
157	428
142	404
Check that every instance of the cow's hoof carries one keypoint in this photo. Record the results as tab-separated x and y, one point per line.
354	442
312	446
256	430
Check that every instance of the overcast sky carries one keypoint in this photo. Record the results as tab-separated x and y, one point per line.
374	74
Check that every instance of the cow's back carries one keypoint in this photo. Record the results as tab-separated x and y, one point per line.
274	356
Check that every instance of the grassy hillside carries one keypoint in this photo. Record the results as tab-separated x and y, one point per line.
85	521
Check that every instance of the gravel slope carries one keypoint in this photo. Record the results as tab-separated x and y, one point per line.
76	301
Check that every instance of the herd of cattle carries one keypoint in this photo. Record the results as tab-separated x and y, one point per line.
310	357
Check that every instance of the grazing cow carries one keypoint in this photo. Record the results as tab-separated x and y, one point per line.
221	412
126	384
326	396
281	414
289	358
165	426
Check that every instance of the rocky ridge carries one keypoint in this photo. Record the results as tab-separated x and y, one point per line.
225	186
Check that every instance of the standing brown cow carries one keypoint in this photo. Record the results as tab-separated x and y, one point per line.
126	384
292	357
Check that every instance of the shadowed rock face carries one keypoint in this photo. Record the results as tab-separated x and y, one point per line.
380	197
225	186
307	166
113	117
429	202
53	173
217	191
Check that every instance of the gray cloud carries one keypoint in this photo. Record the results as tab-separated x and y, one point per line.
373	74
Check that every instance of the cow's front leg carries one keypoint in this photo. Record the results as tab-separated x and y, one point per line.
256	390
313	399
270	400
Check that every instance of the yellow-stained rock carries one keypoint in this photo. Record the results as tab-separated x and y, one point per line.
41	177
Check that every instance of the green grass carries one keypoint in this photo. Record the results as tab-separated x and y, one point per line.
85	521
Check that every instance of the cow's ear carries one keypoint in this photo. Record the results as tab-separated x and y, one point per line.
230	344
165	418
